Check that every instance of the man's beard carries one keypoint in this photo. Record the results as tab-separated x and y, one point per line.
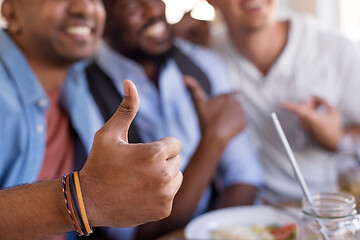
140	55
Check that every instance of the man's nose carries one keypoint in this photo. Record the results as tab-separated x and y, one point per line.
153	8
82	7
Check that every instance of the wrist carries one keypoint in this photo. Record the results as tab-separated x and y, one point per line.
212	139
62	206
87	186
75	203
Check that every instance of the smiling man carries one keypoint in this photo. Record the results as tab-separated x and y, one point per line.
309	75
47	126
218	161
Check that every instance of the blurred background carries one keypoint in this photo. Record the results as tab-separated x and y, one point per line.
343	15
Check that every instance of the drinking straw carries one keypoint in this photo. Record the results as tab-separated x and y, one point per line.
298	173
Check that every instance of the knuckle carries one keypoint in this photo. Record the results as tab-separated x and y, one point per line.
180	178
177	142
151	151
167	211
164	212
178	160
167	201
125	109
156	151
166	176
164	207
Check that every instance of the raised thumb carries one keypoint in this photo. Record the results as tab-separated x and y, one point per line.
120	122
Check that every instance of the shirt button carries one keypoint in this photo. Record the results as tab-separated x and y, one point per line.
40	128
43	102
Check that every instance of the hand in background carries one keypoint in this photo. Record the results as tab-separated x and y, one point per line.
129	184
320	119
221	117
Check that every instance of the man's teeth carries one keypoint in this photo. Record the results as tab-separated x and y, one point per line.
156	30
79	30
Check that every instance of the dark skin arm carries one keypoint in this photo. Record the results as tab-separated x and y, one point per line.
239	194
137	180
36	211
221	118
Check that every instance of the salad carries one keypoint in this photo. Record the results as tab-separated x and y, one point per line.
256	232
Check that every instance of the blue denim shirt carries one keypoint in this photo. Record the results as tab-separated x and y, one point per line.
23	106
169	111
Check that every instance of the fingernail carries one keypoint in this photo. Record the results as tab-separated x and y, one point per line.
126	88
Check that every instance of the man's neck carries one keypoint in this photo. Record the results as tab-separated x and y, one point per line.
50	76
51	79
50	72
262	47
152	71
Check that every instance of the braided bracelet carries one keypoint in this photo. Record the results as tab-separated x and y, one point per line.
71	213
76	204
81	203
71	208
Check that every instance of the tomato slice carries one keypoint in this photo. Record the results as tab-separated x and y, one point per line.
285	232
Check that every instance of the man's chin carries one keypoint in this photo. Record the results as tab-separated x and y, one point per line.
66	60
142	55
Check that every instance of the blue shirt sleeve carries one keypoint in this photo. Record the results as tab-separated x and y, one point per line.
240	163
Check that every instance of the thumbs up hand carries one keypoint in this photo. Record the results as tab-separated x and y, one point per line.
123	184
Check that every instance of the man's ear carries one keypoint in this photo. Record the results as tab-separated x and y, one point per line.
9	12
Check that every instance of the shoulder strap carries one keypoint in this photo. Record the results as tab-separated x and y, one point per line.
188	67
107	97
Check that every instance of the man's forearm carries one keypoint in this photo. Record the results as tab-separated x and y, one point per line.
35	211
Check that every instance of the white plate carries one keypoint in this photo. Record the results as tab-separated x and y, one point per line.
201	227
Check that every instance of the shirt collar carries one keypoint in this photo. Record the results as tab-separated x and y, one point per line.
15	63
286	62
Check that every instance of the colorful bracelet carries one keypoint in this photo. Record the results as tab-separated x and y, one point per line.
65	187
71	208
76	204
81	203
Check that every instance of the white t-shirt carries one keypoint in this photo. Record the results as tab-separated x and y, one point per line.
315	61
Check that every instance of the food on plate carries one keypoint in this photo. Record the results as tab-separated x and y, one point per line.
256	232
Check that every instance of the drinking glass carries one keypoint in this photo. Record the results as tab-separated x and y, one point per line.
348	155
